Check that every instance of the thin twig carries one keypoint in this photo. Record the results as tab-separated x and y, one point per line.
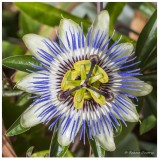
7	149
90	151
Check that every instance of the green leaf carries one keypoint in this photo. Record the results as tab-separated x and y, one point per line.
68	154
114	9
27	24
151	100
47	14
98	151
23	99
151	62
149	77
147	40
150	148
56	150
20	63
12	93
129	147
125	131
9	49
44	153
147	124
118	129
16	128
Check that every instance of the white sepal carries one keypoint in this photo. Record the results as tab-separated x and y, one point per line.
26	83
106	140
30	117
65	139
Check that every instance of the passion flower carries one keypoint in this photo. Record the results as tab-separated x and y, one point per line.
82	82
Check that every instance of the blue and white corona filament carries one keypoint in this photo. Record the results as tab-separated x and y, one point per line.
82	82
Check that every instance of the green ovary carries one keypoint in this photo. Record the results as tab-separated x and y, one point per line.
77	76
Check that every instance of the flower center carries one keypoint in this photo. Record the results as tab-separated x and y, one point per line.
83	81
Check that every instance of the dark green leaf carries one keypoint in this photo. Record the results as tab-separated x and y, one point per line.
27	24
150	148
147	39
56	150
125	131
114	9
118	130
9	49
47	14
152	55
20	63
8	23
129	147
12	93
151	62
16	128
147	124
53	16
151	100
149	77
98	151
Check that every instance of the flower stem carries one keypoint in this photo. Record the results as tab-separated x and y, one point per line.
99	7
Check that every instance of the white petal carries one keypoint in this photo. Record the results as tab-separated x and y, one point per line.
106	140
124	48
144	88
67	25
35	42
26	83
30	117
129	114
66	138
102	22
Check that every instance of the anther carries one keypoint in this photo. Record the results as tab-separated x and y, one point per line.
94	59
64	94
108	96
61	96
